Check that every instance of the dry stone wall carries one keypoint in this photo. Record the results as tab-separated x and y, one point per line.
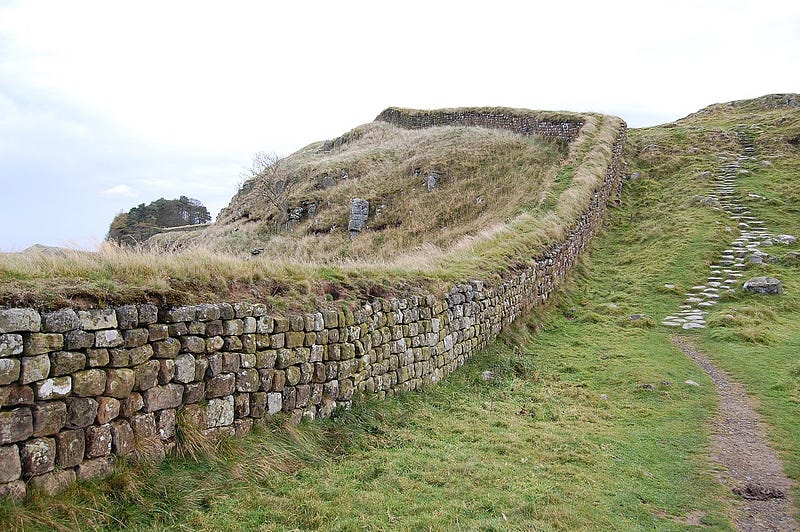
78	388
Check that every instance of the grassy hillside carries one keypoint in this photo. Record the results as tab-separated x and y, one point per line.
499	197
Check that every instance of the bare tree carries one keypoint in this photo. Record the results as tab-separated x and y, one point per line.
272	180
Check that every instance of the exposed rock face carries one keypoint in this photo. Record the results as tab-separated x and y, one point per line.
359	211
764	285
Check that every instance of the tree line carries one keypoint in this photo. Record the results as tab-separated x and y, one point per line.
143	221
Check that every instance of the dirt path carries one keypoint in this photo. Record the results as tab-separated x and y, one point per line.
739	443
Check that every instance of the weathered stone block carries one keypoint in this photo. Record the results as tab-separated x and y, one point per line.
129	406
48	418
140	355
10	344
97	467
122	438
41	343
200	367
98	441
119	382
177	329
97	357
157	332
53	482
184	368
248	380
166	370
127	317
70	447
15	425
146	375
38	456
147	314
61	321
230	362
289	396
165	424
208	312
214	328
161	397
81	412
241	405
96	319
214	344
232	343
219	412
19	320
14	490
293	375
144	426
107	409
168	348
274	403
66	362
178	314
34	368
194	392
197	328
53	388
221	385
247	360
78	340
88	383
10	464
9	370
258	404
108	338
135	337
192	344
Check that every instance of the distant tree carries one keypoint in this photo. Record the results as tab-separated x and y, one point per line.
272	180
143	221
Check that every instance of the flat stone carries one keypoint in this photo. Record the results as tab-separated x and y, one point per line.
61	321
97	467
96	319
19	320
66	362
15	395
10	344
161	397
41	343
764	285
88	383
692	325
48	418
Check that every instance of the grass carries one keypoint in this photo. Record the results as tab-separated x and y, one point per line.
443	236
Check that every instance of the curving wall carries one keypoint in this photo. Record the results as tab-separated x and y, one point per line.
80	387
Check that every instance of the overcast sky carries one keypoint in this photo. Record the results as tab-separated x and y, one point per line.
108	104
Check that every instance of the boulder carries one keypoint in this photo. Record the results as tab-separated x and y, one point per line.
764	285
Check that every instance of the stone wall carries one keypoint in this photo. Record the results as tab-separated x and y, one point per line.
553	126
80	387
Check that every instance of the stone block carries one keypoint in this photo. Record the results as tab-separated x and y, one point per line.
10	464
48	418
161	397
166	370
165	424
66	362
194	392
97	357
167	348
197	328
97	467
9	370
131	405
19	320
232	343
140	355
274	402
249	325
53	482
10	344
107	409
249	344
127	317
214	344
192	344
219	412
88	383
157	332
108	338
53	388
144	426
119	382
247	360
221	385
14	490
200	367
70	447
178	329
258	404
289	396
61	321
147	314
81	412
214	328
15	425
96	319
208	312
293	375
146	375
98	441
230	362
178	314
241	405
41	343
248	380
122	438
135	338
78	340
38	456
184	368
34	368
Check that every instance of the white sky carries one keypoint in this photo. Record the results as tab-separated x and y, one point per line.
108	104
